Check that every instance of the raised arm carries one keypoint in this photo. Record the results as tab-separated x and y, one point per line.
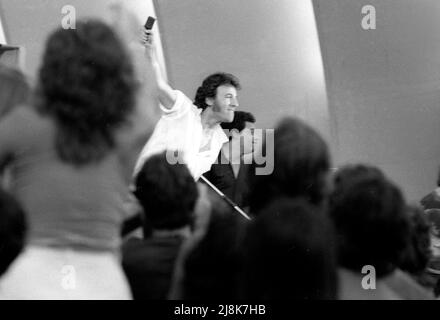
166	94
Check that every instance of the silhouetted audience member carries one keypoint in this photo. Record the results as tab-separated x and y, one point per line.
372	228
289	253
416	258
409	280
167	193
12	231
230	174
432	200
69	174
301	167
209	262
433	269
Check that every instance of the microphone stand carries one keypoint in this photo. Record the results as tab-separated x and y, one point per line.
222	195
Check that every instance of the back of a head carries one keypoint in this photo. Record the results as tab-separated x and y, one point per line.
87	85
351	172
370	219
301	165
12	230
211	268
289	253
14	89
209	86
167	193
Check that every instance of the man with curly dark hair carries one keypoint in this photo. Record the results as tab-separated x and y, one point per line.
191	129
68	171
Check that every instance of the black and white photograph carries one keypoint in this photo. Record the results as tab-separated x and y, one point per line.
219	156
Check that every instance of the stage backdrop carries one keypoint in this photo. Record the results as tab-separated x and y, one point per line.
384	86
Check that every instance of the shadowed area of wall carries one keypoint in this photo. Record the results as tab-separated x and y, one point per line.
383	87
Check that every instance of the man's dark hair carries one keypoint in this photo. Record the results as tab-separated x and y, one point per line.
239	122
209	86
167	193
370	219
12	230
87	85
301	165
289	253
351	172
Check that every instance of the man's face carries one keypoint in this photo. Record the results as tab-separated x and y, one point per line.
224	103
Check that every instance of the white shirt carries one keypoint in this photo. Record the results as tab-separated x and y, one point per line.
180	128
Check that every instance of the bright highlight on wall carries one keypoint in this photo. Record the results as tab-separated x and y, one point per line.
2	33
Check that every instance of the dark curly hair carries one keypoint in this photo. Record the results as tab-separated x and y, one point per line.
209	86
87	85
167	193
370	218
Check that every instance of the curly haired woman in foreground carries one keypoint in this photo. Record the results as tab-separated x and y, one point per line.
67	170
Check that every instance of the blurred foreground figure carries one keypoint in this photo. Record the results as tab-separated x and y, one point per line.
289	253
12	231
168	195
301	167
68	153
208	264
373	231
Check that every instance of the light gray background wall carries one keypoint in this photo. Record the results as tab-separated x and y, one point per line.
384	86
29	22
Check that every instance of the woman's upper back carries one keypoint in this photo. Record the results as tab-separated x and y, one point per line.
67	205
